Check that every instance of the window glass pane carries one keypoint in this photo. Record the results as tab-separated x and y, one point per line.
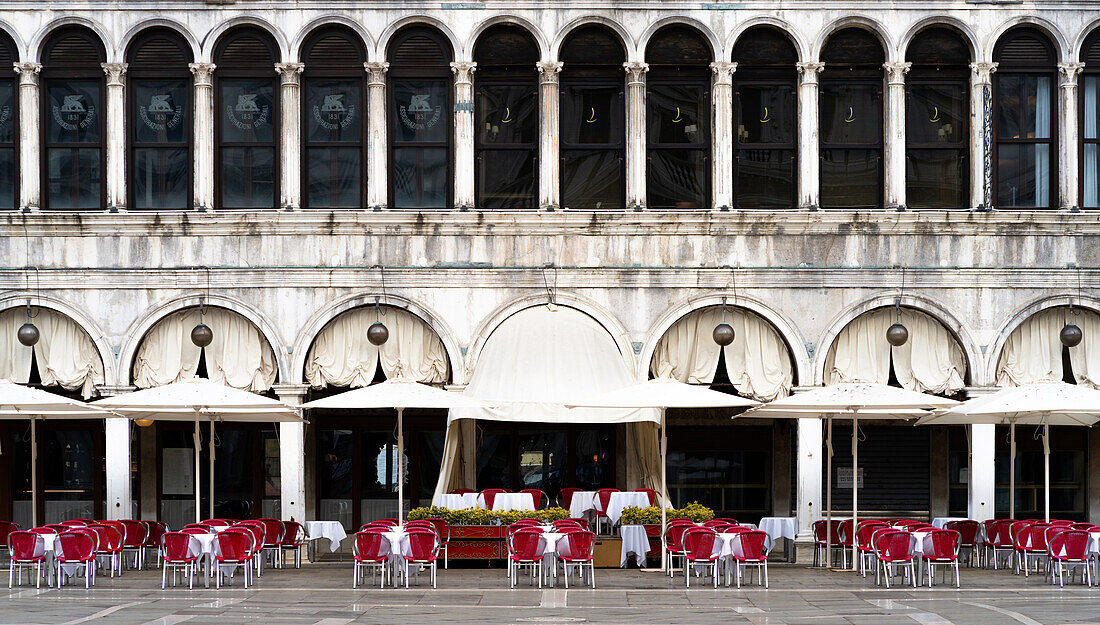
248	177
1023	175
935	179
1092	106
420	177
74	112
677	113
420	113
1023	106
506	178
161	111
177	477
493	460
851	113
542	463
593	463
729	482
764	179
247	111
7	178
160	178
233	475
19	445
334	460
592	179
8	131
378	476
273	481
592	114
507	114
677	178
936	114
1092	175
73	179
850	178
765	114
334	111
333	178
430	460
68	476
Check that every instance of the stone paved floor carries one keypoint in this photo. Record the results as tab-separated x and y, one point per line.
321	594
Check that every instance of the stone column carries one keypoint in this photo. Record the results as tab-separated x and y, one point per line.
464	134
116	136
809	164
116	452
808	496
1069	142
894	134
635	135
377	153
204	135
549	161
722	138
981	135
292	456
982	479
290	131
30	139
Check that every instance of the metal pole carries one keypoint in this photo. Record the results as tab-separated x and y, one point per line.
210	444
1011	471
198	465
829	491
855	486
34	474
664	487
400	466
1046	468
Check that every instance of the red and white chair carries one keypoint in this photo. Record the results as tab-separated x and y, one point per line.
525	551
603	499
970	534
6	528
234	548
27	550
1031	546
1069	549
673	543
135	534
565	497
578	551
893	550
998	542
699	551
370	551
538	498
423	553
77	550
651	494
179	551
823	541
157	530
273	538
754	547
865	549
294	538
444	532
941	547
489	496
109	547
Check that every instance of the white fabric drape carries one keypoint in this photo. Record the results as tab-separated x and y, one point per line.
342	356
757	362
1042	152
239	356
1033	352
1092	150
65	353
931	361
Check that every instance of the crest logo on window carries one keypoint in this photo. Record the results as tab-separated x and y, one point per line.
73	113
247	114
160	115
419	114
333	113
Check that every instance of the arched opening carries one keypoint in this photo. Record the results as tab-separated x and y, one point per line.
678	112
506	104
937	114
160	124
593	120
851	120
9	124
765	116
1090	122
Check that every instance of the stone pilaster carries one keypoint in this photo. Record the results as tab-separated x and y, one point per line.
722	137
549	160
1069	142
808	497
290	131
894	134
377	154
30	137
116	136
116	458
809	165
292	455
204	135
635	135
464	134
981	135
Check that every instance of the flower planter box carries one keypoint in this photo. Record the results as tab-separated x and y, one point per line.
477	542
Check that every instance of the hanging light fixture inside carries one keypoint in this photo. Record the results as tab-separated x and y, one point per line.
897	334
378	333
143	423
1071	335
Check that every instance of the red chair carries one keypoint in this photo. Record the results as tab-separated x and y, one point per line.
969	535
45	531
423	553
6	528
444	532
135	534
581	546
1031	546
865	543
563	524
565	497
179	550
206	527
110	545
489	496
257	529
75	523
1070	549
754	552
273	538
194	530
391	522
370	551
699	551
942	547
580	521
27	549
525	550
822	540
603	497
537	496
998	539
892	549
157	530
649	492
57	527
462	491
235	548
1083	527
294	538
673	544
77	550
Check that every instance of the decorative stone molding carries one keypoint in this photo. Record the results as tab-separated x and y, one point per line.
290	72
895	72
376	73
464	72
28	73
723	72
809	70
114	72
548	71
982	72
203	73
635	72
1069	72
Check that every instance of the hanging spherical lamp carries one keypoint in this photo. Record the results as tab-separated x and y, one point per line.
723	334
378	333
28	334
897	335
1071	335
202	335
143	423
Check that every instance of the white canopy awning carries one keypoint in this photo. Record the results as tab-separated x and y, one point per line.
397	393
198	399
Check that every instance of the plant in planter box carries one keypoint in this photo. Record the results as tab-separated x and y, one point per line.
651	515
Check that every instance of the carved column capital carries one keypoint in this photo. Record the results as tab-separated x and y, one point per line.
1069	72
203	72
723	72
28	73
982	72
290	72
114	72
808	71
635	71
376	72
895	72
464	71
548	71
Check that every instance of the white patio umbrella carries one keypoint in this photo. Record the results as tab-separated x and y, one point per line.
397	394
199	400
1045	404
664	393
23	402
850	400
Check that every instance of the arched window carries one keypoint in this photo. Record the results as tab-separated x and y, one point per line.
678	119
937	114
9	125
160	120
593	128
507	116
765	114
1090	123
851	120
333	110
73	120
1025	122
247	123
421	108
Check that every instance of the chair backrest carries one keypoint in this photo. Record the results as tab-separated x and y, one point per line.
490	496
819	531
919	527
844	532
1016	527
999	534
524	543
1084	527
7	527
699	542
462	491
293	533
527	522
604	495
565	497
537	496
134	533
1070	544
420	523
206	527
194	530
273	532
25	545
376	524
1033	536
257	532
177	546
368	545
943	543
75	523
562	524
650	493
441	528
674	536
1060	522
43	530
866	532
754	545
732	529
715	523
107	538
582	544
57	527
523	524
726	519
235	545
157	529
76	547
391	522
894	545
423	543
968	531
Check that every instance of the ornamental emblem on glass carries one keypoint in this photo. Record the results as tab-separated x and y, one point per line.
73	113
333	113
160	114
247	114
419	114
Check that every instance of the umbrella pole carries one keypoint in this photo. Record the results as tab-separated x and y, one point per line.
400	465
198	465
34	475
855	486
1011	471
1046	468
664	486
210	444
829	492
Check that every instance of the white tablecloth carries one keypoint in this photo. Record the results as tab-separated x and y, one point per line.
1093	548
941	521
779	527
454	501
624	499
583	501
635	543
513	501
332	530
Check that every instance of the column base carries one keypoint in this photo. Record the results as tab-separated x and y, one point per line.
804	550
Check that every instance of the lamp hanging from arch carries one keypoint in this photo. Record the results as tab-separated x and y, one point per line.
378	333
28	333
897	334
201	334
1071	334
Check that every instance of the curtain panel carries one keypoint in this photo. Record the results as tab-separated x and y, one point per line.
65	353
1033	352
